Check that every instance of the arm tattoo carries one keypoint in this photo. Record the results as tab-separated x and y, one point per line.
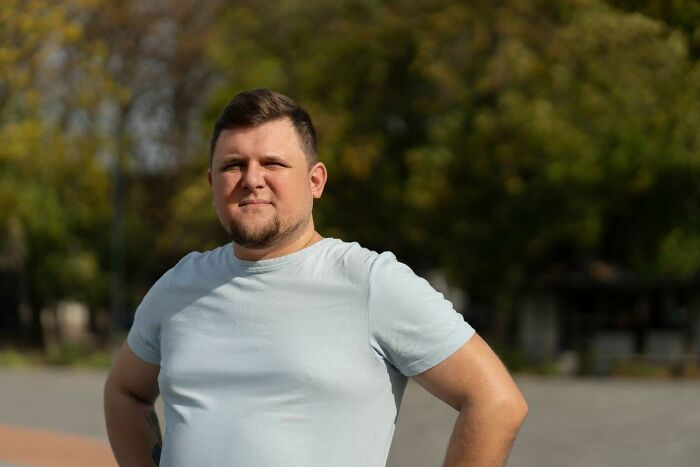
152	420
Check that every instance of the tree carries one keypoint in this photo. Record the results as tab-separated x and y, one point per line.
680	15
51	187
153	54
493	139
109	95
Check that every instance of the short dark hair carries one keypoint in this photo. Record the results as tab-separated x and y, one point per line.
249	109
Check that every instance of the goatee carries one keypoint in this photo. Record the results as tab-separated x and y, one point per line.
264	237
260	238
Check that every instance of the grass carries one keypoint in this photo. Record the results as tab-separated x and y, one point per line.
13	359
65	355
518	362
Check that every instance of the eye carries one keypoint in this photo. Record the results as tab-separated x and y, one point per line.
231	165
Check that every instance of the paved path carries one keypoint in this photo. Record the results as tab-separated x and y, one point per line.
572	423
52	418
23	446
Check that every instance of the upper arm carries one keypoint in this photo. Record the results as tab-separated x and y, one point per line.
473	375
411	325
131	374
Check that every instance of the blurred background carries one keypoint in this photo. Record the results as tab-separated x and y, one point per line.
537	160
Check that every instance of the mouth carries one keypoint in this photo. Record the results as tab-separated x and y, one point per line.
249	202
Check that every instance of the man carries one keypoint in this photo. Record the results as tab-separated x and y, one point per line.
287	348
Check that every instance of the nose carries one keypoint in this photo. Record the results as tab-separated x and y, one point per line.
253	176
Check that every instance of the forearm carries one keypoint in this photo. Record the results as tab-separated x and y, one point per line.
483	437
133	429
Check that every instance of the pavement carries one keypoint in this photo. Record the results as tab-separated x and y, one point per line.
23	446
572	423
53	417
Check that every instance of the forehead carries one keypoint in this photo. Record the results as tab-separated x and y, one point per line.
278	137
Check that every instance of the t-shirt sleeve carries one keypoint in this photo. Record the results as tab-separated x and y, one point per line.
411	324
144	335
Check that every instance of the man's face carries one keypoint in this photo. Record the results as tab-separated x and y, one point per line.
262	185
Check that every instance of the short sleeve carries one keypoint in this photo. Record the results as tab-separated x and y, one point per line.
411	324
144	335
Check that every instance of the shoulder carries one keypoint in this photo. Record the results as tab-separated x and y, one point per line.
191	277
194	267
353	259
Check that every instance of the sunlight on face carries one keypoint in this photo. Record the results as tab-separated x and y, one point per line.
261	185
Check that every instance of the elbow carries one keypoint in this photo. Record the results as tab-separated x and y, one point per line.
514	410
510	410
521	411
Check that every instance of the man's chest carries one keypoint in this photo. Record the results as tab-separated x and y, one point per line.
313	347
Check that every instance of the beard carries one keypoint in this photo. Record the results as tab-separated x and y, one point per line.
265	236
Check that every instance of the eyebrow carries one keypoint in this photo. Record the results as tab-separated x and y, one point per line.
234	157
275	158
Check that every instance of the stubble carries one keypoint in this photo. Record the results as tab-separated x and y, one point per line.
272	233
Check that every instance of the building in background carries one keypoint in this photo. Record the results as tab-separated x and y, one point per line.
601	318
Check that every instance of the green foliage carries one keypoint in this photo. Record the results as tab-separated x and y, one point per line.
679	253
682	15
641	369
489	139
10	358
77	355
53	191
493	139
73	355
81	84
575	152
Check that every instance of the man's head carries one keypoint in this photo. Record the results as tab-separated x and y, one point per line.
252	108
263	171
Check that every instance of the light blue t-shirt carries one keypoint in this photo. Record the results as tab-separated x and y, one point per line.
300	360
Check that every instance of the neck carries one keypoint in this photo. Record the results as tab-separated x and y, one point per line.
307	238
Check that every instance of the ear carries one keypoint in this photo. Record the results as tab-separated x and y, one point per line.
317	179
